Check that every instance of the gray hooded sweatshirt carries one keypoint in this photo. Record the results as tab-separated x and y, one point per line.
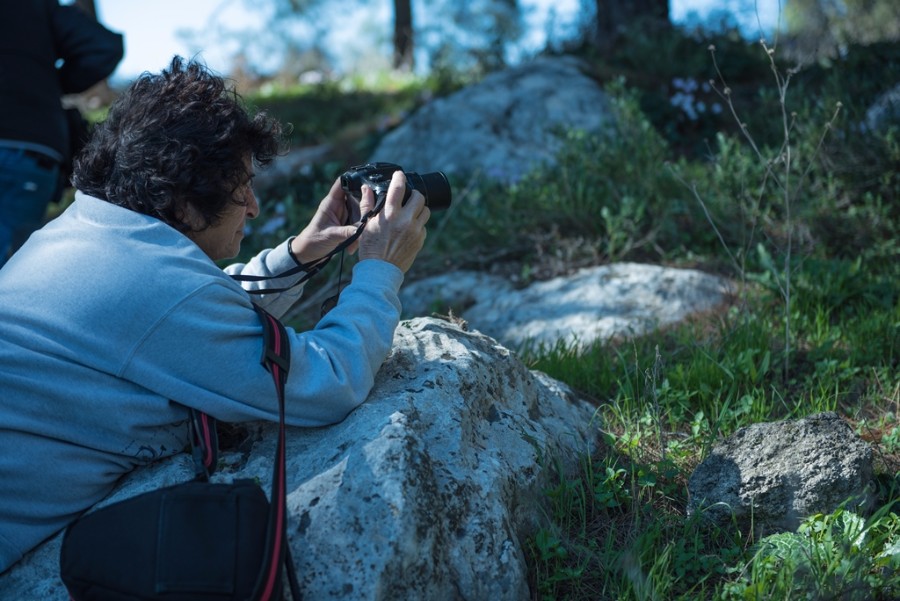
112	322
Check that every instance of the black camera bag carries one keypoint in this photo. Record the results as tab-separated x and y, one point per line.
195	540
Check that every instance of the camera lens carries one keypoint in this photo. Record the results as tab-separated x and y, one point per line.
434	187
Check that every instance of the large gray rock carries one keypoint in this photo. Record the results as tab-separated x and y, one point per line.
426	491
596	303
884	112
503	126
773	475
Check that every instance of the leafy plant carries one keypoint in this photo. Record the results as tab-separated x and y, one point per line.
835	556
810	237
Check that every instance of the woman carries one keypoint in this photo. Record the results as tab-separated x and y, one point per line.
115	317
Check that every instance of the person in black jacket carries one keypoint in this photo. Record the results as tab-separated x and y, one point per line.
46	50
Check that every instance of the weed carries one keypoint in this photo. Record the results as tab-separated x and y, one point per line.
835	556
808	225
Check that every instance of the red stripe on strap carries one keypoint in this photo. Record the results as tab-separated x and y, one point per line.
207	461
277	331
279	528
279	516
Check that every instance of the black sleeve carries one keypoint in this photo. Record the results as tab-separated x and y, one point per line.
89	51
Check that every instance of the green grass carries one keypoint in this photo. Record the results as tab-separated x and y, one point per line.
618	528
813	244
665	399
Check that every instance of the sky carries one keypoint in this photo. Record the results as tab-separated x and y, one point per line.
151	29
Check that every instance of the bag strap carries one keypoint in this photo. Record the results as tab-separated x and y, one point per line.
276	358
204	444
204	440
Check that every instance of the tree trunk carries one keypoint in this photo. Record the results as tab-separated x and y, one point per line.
403	36
616	17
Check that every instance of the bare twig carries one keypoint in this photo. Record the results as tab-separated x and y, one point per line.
779	171
693	188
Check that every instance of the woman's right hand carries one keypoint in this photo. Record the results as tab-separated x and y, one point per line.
397	233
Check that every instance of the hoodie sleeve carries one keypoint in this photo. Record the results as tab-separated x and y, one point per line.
268	263
206	353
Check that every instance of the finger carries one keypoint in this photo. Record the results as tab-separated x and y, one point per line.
367	203
335	202
416	202
336	190
336	193
350	210
396	192
354	210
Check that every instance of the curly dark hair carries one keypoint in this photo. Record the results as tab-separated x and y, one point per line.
173	138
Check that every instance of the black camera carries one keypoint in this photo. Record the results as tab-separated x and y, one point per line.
433	186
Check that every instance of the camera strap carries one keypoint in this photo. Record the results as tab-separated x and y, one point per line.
276	358
313	267
194	540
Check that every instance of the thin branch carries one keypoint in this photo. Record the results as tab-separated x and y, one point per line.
819	145
726	95
693	188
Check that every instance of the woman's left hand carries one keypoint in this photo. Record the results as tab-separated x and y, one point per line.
328	227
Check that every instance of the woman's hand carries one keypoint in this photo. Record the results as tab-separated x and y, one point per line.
397	233
328	227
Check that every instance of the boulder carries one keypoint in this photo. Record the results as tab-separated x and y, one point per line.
773	475
884	112
595	303
426	491
299	160
503	126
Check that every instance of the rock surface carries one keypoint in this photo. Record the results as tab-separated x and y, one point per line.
426	491
503	126
884	112
772	475
596	303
